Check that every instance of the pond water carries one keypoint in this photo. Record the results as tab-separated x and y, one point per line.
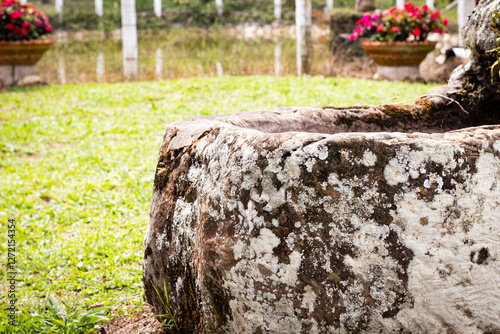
181	53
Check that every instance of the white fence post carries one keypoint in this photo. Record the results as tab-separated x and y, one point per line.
400	4
464	9
59	9
98	7
61	72
59	6
329	6
430	4
303	22
23	2
277	59
100	67
159	64
218	4
277	10
129	39
218	67
157	4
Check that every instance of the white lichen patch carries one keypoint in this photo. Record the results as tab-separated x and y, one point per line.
309	298
250	307
496	145
369	158
394	173
160	240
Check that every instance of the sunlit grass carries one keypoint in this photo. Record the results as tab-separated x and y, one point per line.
76	172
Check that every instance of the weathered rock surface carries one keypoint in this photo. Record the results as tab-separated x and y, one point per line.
334	220
478	93
31	80
274	222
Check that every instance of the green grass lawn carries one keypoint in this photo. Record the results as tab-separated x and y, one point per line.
76	173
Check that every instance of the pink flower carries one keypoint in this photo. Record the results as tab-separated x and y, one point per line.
16	15
394	29
368	23
365	18
352	37
7	3
434	16
425	7
39	23
375	17
48	28
437	30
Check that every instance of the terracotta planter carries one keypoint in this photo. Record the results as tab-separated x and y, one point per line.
23	52
398	53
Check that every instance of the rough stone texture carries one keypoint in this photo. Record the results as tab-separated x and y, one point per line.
477	92
397	73
11	74
290	221
335	220
31	80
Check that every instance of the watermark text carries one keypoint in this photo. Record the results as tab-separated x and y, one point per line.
12	272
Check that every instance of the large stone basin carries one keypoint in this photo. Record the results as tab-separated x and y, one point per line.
295	221
336	220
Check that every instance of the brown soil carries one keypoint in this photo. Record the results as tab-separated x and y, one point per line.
142	322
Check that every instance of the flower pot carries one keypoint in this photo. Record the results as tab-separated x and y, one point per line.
23	52
397	60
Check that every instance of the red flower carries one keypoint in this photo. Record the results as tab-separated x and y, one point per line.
380	27
409	6
394	29
437	30
425	7
19	19
417	32
16	15
434	16
445	21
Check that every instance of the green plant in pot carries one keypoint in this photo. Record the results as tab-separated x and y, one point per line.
24	38
396	40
